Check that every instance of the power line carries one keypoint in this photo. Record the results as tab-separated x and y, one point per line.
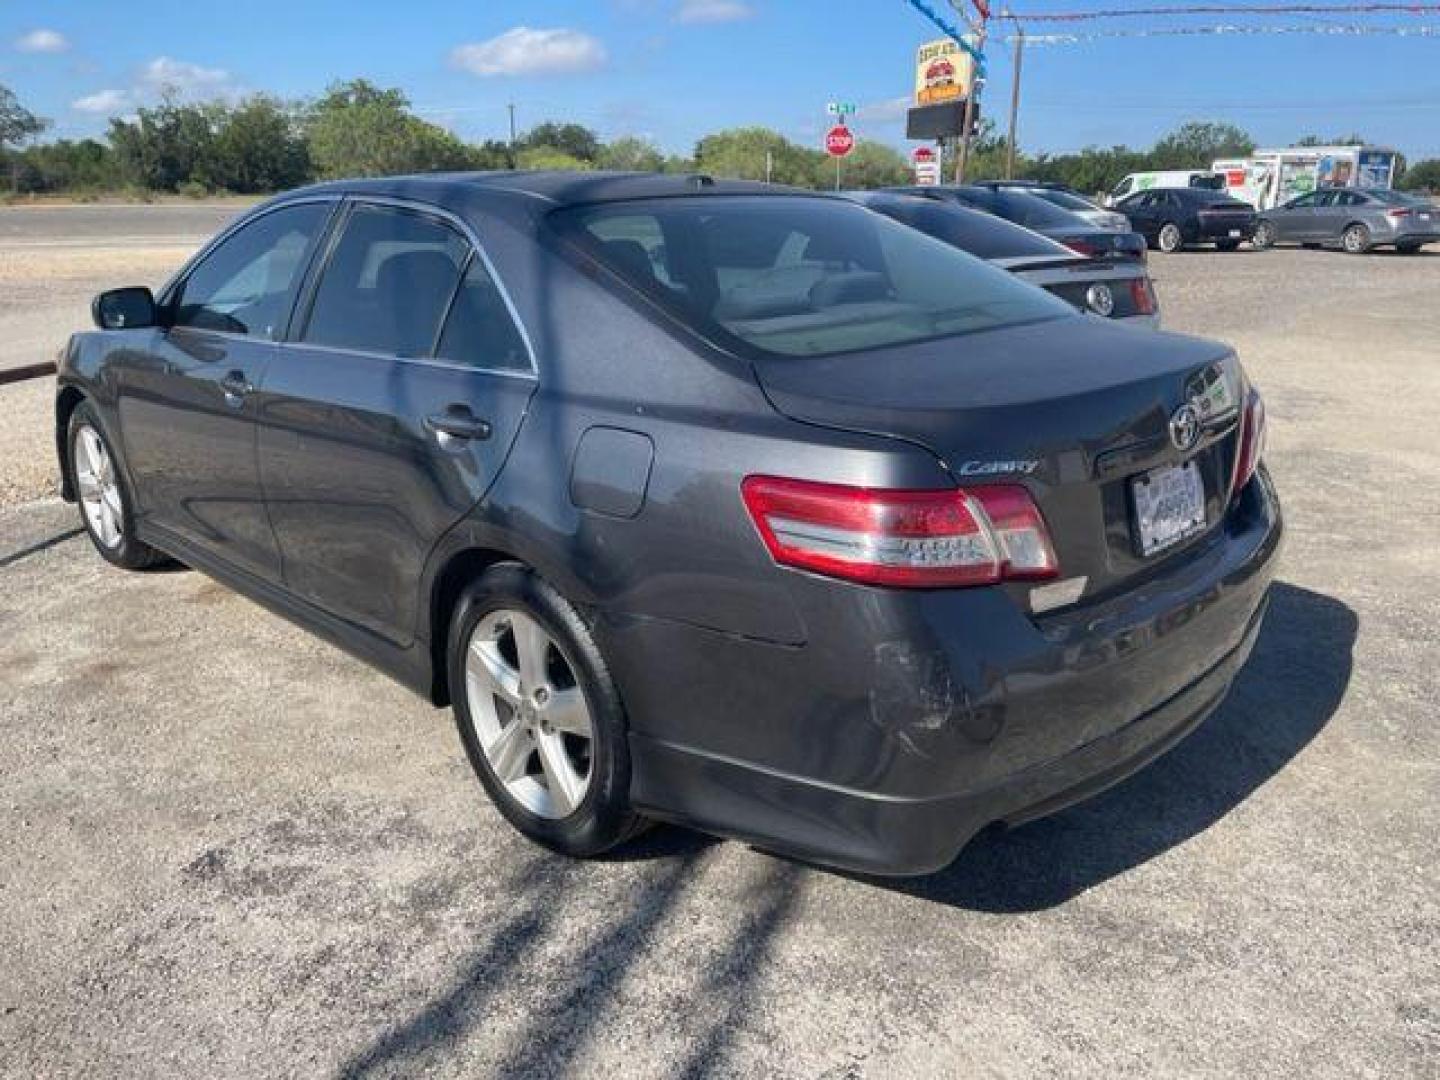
1226	9
1322	30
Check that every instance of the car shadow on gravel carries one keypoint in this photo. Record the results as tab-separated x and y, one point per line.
1289	690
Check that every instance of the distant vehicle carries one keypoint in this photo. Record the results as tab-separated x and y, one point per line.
1174	178
1172	218
1354	220
1066	198
1111	288
1271	178
1038	214
703	500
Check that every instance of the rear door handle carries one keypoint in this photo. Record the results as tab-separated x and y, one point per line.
236	386
458	422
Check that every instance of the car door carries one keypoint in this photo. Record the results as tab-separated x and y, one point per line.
1294	220
1329	216
187	417
389	411
1141	212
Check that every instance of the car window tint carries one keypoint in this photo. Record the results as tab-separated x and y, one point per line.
479	330
1350	198
1302	203
245	285
387	283
982	235
803	276
1032	213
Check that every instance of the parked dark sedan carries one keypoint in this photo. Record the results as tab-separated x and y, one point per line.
1040	215
1353	219
706	502
1172	218
1111	288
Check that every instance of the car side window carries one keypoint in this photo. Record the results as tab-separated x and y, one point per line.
1326	198
1304	202
388	282
480	331
1349	198
246	284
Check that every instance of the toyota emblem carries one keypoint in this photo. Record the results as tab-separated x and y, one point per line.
1100	299
1185	428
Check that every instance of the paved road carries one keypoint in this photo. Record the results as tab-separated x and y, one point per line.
229	850
53	259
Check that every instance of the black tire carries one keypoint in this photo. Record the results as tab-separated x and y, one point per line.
1407	249
1227	245
1355	239
1264	237
603	818
1170	238
128	551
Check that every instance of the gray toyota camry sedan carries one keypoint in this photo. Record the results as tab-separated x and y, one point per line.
706	502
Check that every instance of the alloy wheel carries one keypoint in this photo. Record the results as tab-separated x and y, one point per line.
1170	238
1264	235
529	713
1355	239
99	488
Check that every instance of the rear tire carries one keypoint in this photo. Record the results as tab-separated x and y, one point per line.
106	506
539	714
1408	249
1170	239
1264	237
1355	240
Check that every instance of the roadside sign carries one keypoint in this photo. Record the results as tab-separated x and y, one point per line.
840	110
839	141
922	155
983	7
943	72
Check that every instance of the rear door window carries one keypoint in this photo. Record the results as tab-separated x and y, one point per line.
247	283
388	283
479	330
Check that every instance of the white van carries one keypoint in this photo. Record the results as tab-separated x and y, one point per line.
1144	181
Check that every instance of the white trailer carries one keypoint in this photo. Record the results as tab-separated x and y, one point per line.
1271	177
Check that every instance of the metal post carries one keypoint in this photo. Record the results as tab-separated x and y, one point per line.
967	126
1015	101
837	174
511	147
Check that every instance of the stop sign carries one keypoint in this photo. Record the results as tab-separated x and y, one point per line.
839	141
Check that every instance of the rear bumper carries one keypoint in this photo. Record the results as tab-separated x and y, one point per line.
1213	229
886	754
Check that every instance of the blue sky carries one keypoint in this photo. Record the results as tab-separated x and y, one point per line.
672	70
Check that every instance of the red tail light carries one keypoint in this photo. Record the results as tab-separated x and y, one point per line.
1398	213
1252	442
1084	247
1142	296
911	539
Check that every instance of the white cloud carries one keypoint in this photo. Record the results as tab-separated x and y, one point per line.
186	79
523	51
712	11
103	102
42	41
884	112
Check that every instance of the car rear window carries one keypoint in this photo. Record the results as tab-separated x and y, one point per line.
982	235
1021	208
1062	199
798	276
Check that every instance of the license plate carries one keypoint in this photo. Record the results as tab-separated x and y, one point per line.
1169	506
1424	217
1235	234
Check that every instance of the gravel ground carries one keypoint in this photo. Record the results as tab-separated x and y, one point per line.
230	850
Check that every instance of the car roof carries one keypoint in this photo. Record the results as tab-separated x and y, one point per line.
561	188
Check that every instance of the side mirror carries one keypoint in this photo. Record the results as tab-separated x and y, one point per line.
131	308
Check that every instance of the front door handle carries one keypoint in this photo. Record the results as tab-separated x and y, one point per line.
236	386
458	422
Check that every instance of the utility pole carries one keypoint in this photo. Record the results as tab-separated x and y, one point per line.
967	126
1015	101
511	107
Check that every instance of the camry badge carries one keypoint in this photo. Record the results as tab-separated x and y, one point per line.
1100	299
1185	428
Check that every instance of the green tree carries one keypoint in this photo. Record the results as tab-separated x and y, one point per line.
358	129
258	147
631	154
550	157
576	140
1422	176
17	124
740	153
1196	144
873	164
66	165
168	145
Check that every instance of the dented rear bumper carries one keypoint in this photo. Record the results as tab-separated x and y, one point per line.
907	722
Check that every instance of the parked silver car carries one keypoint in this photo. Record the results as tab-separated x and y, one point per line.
1354	219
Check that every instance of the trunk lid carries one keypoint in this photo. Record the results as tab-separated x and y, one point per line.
1074	409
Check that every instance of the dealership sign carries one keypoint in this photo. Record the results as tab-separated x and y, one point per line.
943	72
927	166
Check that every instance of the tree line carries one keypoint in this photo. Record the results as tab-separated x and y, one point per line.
262	144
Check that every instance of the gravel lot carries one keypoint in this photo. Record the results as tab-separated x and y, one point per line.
230	850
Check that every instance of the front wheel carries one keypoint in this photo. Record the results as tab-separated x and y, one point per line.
106	508
1171	238
539	714
1356	240
1264	236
